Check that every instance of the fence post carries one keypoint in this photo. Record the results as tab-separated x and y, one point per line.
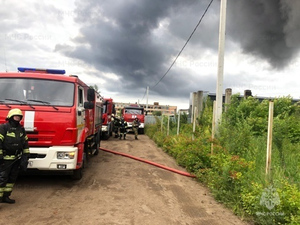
161	123
194	105
168	128
178	125
269	140
200	102
228	93
194	123
213	127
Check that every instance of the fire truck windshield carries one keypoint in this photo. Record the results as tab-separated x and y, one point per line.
133	111
36	92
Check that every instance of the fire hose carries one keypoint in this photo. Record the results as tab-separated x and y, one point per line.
149	162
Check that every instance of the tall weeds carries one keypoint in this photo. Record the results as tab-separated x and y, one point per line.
235	172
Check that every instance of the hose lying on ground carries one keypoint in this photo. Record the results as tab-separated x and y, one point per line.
149	162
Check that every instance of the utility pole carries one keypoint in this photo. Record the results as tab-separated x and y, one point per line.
147	99
219	92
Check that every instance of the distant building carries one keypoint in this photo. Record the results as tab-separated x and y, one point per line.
197	98
152	109
184	111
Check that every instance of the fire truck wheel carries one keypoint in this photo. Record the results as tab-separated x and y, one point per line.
105	135
98	139
141	131
77	174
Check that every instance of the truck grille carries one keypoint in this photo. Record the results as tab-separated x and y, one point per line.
45	136
37	156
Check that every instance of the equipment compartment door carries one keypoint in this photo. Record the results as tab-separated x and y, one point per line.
80	110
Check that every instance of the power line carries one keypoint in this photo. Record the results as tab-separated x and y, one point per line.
185	43
144	94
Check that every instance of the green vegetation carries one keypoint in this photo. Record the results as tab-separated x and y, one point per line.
235	169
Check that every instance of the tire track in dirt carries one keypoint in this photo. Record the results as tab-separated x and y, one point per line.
117	190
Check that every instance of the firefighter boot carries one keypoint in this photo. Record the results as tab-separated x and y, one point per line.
120	136
6	199
136	138
124	136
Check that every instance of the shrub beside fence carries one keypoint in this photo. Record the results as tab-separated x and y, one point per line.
235	172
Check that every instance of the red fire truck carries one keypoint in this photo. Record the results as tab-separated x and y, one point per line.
130	112
107	122
62	117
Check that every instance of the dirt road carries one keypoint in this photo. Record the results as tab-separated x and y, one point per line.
117	190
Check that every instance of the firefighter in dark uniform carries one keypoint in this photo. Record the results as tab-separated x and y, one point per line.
135	127
123	128
14	153
116	126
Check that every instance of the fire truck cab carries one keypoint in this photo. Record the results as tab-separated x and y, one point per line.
62	117
107	119
130	112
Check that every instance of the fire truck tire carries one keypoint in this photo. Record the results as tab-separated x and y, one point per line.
98	139
77	174
141	131
105	135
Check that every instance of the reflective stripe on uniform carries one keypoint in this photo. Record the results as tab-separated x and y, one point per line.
11	134
1	152
1	137
11	157
26	151
1	191
26	138
8	187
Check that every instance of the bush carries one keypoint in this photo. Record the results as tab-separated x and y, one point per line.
235	172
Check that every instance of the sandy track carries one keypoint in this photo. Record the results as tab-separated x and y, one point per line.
117	190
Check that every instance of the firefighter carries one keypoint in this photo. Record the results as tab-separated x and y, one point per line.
123	128
14	153
135	127
116	126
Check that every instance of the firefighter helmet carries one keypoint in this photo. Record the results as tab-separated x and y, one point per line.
14	112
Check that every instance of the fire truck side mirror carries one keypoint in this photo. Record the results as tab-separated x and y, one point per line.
91	95
88	105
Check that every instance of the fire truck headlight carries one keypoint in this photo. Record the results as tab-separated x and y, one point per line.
65	155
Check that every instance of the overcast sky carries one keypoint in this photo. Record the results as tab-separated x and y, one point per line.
123	46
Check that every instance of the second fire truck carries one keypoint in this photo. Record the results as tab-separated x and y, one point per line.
130	112
107	117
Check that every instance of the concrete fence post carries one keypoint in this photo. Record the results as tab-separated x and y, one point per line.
269	140
228	93
168	128
178	121
199	102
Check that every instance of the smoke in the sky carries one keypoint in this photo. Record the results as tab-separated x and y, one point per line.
139	39
266	28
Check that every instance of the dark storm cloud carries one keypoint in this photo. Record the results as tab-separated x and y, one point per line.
124	38
265	28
